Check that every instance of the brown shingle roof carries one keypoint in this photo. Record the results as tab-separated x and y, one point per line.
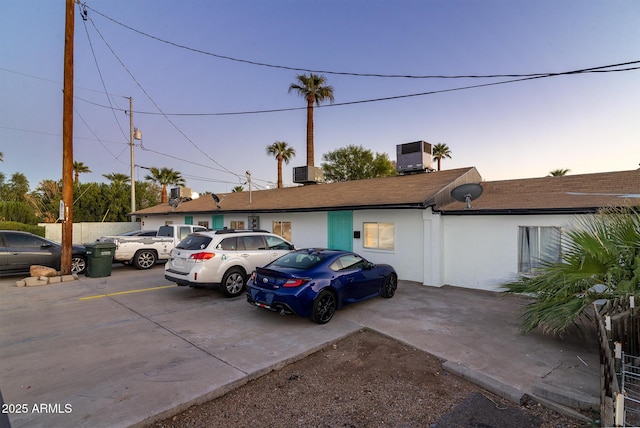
416	190
583	192
571	193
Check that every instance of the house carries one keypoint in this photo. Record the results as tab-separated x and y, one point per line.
413	223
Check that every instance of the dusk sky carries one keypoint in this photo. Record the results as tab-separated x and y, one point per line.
204	72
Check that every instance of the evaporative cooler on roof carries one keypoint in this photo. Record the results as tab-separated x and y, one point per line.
414	157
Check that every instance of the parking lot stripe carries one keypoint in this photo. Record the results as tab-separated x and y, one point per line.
140	290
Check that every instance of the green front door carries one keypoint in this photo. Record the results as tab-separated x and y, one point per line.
340	230
217	222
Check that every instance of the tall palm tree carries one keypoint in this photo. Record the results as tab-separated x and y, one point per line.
79	168
165	177
312	88
440	151
282	152
559	172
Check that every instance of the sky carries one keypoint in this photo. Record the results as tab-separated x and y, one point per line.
209	84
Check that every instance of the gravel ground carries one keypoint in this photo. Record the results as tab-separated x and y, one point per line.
365	380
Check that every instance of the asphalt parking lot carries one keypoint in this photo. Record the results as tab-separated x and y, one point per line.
132	347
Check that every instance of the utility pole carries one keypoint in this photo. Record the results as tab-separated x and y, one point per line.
66	213
134	134
248	174
133	180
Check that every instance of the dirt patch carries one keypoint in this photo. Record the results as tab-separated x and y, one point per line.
364	380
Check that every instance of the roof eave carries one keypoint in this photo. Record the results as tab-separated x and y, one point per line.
521	211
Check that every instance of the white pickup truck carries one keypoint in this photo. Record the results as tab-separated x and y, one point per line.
144	251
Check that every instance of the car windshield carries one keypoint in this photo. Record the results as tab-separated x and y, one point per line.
194	242
302	261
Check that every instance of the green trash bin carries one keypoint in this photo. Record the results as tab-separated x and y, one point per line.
99	258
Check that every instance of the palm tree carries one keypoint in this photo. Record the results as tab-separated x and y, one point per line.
440	151
165	177
238	189
79	168
282	152
558	172
1	157
313	89
600	260
117	178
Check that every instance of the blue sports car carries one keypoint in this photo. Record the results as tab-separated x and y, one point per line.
313	283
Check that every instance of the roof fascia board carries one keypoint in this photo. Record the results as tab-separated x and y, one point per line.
523	211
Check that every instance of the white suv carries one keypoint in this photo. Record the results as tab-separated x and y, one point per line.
223	258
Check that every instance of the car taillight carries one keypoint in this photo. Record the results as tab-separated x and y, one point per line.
200	257
295	282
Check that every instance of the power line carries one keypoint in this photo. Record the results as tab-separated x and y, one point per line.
95	60
394	97
157	106
344	73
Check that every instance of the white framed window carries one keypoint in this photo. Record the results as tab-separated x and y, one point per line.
538	245
282	228
203	223
380	236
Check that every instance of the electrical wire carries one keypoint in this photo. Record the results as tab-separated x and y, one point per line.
97	138
393	97
104	86
157	106
344	73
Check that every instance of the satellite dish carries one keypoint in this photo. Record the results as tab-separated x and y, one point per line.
467	193
174	203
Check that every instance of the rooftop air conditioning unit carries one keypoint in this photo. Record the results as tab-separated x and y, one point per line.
180	193
307	174
414	157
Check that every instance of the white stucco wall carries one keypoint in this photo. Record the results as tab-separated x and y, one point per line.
471	251
407	257
309	230
482	251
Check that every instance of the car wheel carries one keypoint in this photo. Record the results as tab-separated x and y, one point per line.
144	259
78	264
390	285
324	306
233	282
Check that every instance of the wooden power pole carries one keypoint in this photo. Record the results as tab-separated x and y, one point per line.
66	207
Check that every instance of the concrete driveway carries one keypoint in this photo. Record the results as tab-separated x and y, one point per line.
131	348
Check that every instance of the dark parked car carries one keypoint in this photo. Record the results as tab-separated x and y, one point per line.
313	283
20	250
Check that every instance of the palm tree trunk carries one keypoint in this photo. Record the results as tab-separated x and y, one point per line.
163	198
279	171
310	132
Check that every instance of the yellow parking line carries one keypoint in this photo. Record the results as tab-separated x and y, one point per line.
140	290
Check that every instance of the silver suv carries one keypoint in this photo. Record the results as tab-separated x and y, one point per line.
223	258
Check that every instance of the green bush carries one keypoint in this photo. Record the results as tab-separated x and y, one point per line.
14	225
